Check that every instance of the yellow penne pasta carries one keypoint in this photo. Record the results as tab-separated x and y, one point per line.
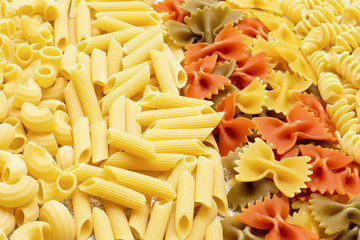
56	91
119	6
137	18
19	193
110	24
19	141
99	67
102	42
82	214
131	125
202	220
113	192
45	140
35	230
65	157
163	100
204	181
73	103
210	141
95	31
214	231
86	60
61	25
72	31
139	219
58	216
177	70
83	22
129	88
40	163
7	135
183	146
23	55
82	143
187	163
7	220
99	143
102	226
170	228
117	114
68	60
156	134
113	58
162	161
139	182
85	171
132	144
35	119
119	223
27	213
158	220
58	190
142	54
86	93
184	205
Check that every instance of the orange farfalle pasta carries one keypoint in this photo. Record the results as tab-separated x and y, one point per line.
203	84
173	8
271	215
252	27
232	132
251	68
350	179
324	162
228	44
301	124
319	108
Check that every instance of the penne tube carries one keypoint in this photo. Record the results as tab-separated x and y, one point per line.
27	213
58	216
170	233
161	100
214	231
113	58
119	223
68	60
83	22
72	31
182	146
110	24
142	53
163	72
82	143
190	122
187	163
184	205
119	6
86	93
162	161
219	192
73	103
82	214
7	220
56	91
113	192
211	142
137	18
85	171
129	88
202	220
86	60
95	31
158	220
35	230
99	67
204	181
177	70
131	111
61	25
131	144
45	140
147	185
139	219
156	134
102	226
102	42
117	114
99	143
65	157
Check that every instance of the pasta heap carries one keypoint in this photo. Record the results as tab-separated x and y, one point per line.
130	109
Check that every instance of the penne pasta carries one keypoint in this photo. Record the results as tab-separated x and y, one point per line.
99	67
204	181
102	226
73	103
61	25
83	22
99	143
68	60
85	171
131	111
156	134
117	114
182	146
86	60
113	58
119	6
187	163
139	219
110	24
137	18
113	192
158	220
82	143
214	231
177	70
170	233
82	214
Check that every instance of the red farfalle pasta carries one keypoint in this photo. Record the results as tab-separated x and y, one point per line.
232	132
173	8
324	162
301	124
203	83
228	45
251	68
319	108
271	215
252	27
294	152
350	179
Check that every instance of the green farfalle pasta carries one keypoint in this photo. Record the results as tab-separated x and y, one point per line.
193	5
334	216
225	69
228	89
235	230
352	232
229	161
244	193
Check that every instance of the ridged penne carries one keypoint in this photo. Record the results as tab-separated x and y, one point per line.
204	181
139	219
183	146
61	25
177	70
142	38
119	6
131	111
99	67
73	103
83	22
99	143
137	18
68	60
110	24
82	143
117	114
102	226
156	134
27	213
85	171
114	57
86	60
158	220
187	163
113	192
214	231
82	214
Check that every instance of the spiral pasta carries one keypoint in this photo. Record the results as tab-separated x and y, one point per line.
351	14
349	91
294	9
330	31
348	66
348	40
319	60
311	42
350	144
330	87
